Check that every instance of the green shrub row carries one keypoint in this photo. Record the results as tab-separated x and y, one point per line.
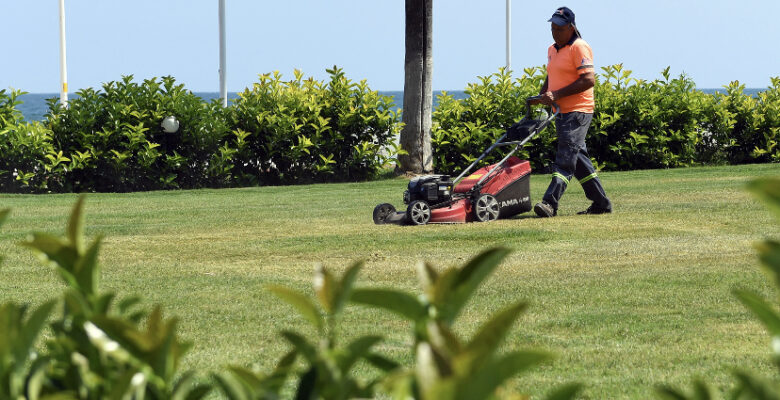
101	347
637	124
276	132
300	131
112	139
306	130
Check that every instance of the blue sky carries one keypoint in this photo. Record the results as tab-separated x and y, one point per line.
713	42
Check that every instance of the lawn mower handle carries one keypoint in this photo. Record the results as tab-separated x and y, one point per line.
534	98
500	142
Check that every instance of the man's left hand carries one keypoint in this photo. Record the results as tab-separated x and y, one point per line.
548	98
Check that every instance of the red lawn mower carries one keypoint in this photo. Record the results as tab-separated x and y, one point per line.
500	190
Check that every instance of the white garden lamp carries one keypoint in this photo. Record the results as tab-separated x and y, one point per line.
63	66
170	124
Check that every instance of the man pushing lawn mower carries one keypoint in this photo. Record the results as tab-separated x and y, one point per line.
569	83
502	190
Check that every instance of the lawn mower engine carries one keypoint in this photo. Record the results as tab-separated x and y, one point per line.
434	189
423	194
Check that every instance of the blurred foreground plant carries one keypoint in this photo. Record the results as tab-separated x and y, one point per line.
749	385
97	351
445	366
103	349
328	365
21	371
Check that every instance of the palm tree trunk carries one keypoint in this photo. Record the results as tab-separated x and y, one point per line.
418	94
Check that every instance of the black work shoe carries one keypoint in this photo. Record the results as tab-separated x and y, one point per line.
593	209
544	210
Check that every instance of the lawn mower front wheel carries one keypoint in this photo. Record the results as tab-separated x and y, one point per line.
418	212
382	212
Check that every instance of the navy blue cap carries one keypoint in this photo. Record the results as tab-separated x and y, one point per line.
562	16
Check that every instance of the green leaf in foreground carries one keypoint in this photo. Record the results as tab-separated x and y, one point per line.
325	287
768	190
753	387
468	280
565	392
488	339
397	302
75	227
303	304
231	387
486	380
701	391
346	286
187	388
3	215
381	362
769	254
356	350
308	350
761	309
31	328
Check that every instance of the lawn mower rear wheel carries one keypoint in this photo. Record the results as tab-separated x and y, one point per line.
486	208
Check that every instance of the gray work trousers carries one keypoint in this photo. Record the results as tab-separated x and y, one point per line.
572	159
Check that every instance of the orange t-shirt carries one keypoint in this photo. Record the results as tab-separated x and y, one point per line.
564	66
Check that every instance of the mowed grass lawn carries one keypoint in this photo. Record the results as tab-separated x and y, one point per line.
627	301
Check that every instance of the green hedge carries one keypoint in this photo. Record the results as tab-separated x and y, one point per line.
27	152
277	132
303	130
113	140
637	124
306	130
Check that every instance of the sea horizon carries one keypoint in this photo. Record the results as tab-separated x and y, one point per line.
34	106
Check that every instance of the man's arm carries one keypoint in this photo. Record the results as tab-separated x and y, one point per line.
583	83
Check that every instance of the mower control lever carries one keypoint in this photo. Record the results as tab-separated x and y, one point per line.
536	98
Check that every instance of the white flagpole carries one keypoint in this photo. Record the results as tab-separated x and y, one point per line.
508	34
63	66
222	55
